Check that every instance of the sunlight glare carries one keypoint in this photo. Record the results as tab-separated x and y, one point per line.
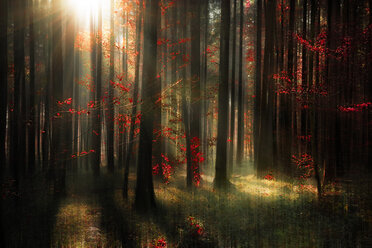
84	8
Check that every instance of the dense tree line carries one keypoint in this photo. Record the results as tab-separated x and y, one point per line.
206	86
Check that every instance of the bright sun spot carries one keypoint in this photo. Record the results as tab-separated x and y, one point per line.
84	8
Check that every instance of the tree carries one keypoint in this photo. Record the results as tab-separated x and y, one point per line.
232	92
58	167
110	114
145	196
240	135
135	100
220	180
17	148
195	77
3	80
265	148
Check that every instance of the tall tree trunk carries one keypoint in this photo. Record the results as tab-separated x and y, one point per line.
110	115
240	136
135	100
32	113
3	99
17	152
232	93
58	169
221	180
258	83
97	99
3	81
195	80
265	149
68	86
145	196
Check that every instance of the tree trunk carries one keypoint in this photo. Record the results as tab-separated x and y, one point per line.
265	149
145	196
240	136
58	169
221	180
135	100
111	109
232	93
3	81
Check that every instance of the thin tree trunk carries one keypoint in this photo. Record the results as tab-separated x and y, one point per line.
232	93
240	136
111	109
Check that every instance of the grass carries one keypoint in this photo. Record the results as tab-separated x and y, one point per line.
254	213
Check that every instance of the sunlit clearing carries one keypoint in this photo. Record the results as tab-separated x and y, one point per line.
78	225
85	8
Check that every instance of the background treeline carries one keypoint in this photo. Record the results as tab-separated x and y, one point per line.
200	87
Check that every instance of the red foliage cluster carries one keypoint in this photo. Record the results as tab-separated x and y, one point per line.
165	5
286	85
167	168
159	243
355	107
83	153
305	166
119	86
306	138
197	159
68	101
195	226
269	177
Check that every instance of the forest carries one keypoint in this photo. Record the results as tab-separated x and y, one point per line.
185	123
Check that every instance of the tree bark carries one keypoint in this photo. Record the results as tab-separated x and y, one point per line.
145	196
220	180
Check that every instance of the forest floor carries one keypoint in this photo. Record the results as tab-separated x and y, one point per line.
254	213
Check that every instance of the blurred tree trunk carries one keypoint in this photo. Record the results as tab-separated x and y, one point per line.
17	133
68	86
221	180
111	109
265	149
32	112
3	82
195	117
145	196
258	83
135	100
3	100
98	95
232	93
58	167
240	135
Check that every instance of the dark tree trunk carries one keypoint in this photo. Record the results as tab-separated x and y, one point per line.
221	180
3	81
17	148
240	136
258	83
58	169
232	93
32	113
145	196
195	77
265	149
135	100
110	114
3	99
68	86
